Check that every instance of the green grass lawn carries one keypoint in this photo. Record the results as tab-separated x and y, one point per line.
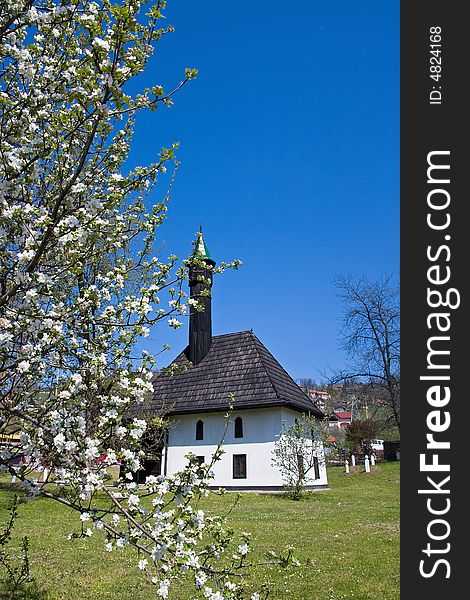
347	536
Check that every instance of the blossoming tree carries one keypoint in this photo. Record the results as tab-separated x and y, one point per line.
80	285
298	453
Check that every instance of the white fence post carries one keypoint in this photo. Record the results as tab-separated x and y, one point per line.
346	464
353	460
372	459
367	464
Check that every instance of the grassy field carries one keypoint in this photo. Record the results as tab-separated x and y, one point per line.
347	536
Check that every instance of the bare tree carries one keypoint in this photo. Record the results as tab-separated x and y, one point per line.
307	383
370	335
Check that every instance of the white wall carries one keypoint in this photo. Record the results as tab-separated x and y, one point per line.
261	428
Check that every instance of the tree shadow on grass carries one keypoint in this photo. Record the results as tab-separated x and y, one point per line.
11	488
27	592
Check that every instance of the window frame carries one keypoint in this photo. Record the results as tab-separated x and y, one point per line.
199	430
238	428
239	469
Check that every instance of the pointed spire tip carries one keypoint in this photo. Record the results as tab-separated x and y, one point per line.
200	247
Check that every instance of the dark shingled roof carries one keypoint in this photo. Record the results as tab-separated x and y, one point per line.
237	363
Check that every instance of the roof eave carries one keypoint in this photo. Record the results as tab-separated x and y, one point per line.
274	404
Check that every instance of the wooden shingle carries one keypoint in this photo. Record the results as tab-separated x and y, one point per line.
237	363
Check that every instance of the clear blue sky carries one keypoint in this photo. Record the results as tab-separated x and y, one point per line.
290	160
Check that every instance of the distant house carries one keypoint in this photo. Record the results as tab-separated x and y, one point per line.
196	398
340	418
319	398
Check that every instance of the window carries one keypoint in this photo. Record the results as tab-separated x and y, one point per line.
239	466
199	430
238	427
316	468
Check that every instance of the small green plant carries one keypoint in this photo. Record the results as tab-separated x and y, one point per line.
16	564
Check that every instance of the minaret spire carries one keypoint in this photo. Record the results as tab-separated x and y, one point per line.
200	285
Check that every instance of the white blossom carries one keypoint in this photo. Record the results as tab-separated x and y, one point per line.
174	323
133	500
163	588
99	43
78	187
23	366
76	379
200	578
59	441
143	564
25	256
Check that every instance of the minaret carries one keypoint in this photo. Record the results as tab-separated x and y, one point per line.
200	285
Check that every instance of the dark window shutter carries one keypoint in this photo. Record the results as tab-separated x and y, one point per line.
200	430
238	427
239	466
316	468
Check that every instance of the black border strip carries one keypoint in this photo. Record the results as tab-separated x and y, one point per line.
428	127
